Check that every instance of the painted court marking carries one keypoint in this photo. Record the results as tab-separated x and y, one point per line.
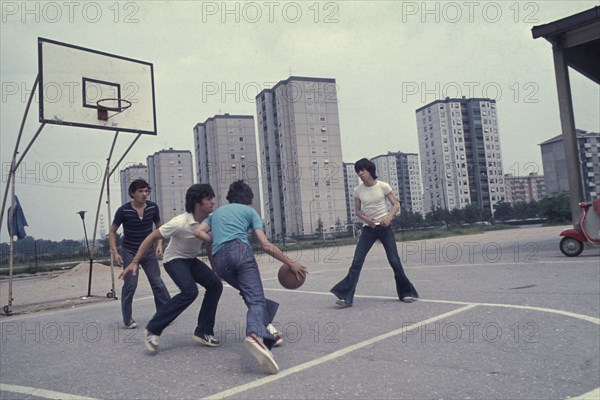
342	352
329	357
46	394
592	395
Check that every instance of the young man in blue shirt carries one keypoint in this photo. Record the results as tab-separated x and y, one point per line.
234	262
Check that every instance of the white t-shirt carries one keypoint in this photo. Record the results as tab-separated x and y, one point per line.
373	199
182	244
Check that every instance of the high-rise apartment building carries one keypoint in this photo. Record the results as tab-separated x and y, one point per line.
351	180
461	162
128	175
225	150
388	172
170	175
401	171
555	166
301	154
524	189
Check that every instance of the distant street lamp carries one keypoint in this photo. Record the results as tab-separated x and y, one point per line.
87	244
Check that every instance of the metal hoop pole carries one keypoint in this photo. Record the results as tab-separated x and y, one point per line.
13	169
10	183
105	183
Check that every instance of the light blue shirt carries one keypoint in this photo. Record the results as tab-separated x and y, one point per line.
232	222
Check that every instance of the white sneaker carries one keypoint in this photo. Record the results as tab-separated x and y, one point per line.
276	334
257	348
151	341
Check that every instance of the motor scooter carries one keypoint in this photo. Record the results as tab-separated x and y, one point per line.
587	230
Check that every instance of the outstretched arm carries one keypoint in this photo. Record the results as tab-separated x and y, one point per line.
203	232
299	269
146	244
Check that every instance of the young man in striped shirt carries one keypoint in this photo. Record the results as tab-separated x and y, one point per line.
138	217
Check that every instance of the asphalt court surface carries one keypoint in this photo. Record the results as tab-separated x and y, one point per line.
502	315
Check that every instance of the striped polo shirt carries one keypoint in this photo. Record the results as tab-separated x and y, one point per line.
135	229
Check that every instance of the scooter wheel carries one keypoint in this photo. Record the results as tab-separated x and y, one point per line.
571	247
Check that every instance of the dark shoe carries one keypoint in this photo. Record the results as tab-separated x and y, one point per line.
408	299
131	325
343	303
257	348
207	340
151	341
276	334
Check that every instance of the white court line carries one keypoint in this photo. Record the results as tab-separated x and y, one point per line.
47	394
332	356
593	395
342	352
539	263
583	317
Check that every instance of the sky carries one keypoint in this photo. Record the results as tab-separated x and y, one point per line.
212	57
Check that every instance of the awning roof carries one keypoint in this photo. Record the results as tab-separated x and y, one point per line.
579	36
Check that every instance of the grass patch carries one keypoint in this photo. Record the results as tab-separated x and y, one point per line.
54	266
20	269
406	236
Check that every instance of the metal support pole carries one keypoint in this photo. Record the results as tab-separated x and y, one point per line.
10	183
107	174
11	251
569	133
16	150
87	244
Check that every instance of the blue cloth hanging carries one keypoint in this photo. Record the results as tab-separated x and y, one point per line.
17	224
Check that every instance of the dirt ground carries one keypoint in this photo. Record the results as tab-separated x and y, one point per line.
44	291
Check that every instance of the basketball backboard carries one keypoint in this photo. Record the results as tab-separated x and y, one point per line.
92	89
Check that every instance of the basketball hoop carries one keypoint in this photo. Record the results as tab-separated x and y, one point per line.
111	104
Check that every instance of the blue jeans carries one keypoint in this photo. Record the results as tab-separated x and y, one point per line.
346	287
235	263
149	264
186	272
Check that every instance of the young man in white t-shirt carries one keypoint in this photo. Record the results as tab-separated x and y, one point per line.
370	205
185	269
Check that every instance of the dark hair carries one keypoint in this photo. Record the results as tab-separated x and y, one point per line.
138	184
240	192
367	164
196	193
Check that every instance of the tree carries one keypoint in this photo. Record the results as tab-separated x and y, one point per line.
407	219
486	214
472	213
338	225
520	210
457	216
319	229
503	211
104	245
556	208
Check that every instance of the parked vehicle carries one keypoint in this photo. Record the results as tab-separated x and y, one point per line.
587	230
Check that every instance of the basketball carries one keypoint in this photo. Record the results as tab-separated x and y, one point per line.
288	279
